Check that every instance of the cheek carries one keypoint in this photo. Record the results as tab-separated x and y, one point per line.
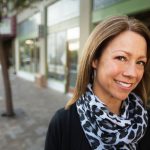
140	75
107	70
113	69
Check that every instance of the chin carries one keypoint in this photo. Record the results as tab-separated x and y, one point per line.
121	97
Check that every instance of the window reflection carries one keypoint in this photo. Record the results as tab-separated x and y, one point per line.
57	55
29	55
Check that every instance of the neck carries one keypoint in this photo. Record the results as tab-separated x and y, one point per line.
114	107
112	104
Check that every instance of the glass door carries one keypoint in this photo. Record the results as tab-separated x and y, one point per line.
72	61
29	55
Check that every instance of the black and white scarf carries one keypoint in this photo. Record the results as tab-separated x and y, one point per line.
107	131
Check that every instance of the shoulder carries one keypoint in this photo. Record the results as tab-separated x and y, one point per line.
62	116
59	127
148	110
144	143
148	128
63	113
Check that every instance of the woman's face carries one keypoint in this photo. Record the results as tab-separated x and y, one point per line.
121	66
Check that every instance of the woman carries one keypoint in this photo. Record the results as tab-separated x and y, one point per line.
107	110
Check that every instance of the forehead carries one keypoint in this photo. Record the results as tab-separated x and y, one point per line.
129	41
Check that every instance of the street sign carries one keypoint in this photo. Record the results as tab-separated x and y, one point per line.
8	27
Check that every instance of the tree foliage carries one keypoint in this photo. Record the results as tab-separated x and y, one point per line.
7	6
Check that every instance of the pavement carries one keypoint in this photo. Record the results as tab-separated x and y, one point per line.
34	107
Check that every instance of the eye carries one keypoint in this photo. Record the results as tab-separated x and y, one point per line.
121	58
142	63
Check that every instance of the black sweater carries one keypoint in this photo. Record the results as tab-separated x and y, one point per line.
65	132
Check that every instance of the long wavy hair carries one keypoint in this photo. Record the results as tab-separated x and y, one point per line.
96	43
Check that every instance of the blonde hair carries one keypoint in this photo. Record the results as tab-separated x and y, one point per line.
99	38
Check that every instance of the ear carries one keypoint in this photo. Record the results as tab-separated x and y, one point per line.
94	63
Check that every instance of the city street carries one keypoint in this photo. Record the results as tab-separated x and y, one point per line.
33	107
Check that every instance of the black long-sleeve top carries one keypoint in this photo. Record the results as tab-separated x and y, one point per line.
65	132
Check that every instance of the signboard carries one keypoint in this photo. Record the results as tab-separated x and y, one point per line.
8	27
97	4
29	28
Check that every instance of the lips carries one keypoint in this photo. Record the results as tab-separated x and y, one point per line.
124	84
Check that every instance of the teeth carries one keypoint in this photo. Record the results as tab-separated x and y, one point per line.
124	84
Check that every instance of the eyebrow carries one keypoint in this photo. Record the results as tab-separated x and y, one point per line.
128	53
121	51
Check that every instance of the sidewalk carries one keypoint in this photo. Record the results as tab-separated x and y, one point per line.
34	107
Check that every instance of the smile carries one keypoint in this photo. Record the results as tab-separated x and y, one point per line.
124	84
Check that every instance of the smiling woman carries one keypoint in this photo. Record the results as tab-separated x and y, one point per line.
108	107
113	83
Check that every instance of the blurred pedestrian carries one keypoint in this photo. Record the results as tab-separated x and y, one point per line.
108	107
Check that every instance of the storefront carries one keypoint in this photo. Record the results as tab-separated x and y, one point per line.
67	25
28	46
62	44
103	9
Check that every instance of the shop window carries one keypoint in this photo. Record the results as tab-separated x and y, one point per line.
68	8
72	56
29	55
29	27
27	33
73	47
57	55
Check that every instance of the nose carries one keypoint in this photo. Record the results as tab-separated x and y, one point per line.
130	70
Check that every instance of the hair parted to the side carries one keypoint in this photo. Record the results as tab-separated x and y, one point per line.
94	46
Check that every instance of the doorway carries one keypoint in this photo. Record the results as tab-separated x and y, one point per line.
72	61
29	55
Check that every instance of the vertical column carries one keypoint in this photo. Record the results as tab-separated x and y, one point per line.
41	79
85	21
17	55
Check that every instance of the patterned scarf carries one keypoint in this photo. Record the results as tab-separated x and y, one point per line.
107	131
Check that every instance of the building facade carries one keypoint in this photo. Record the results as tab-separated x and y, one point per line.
51	35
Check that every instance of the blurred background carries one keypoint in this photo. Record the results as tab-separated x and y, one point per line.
40	45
